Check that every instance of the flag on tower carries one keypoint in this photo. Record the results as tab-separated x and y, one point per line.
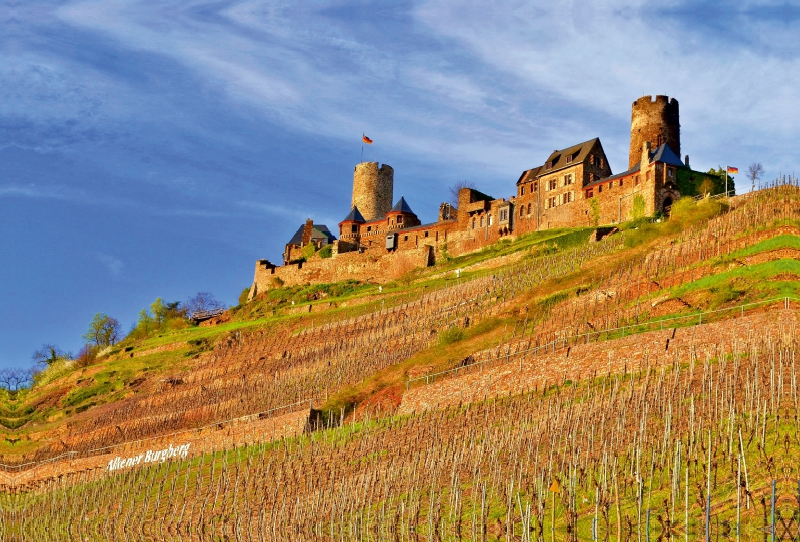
732	169
365	139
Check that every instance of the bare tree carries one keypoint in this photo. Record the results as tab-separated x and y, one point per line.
15	378
455	188
754	172
202	302
49	354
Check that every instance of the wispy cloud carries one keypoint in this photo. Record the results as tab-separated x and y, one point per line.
113	264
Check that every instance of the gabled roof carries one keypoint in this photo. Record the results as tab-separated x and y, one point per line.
401	207
579	152
663	154
319	231
666	155
529	175
354	216
558	160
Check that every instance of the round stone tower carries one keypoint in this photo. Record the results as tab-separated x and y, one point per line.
657	121
372	189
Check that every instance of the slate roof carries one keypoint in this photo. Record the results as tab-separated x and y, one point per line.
319	231
663	154
354	215
578	152
401	207
558	160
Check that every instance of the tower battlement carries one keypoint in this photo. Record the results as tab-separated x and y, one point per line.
373	187
657	120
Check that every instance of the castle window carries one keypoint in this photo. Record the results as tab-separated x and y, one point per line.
670	172
589	194
569	159
522	190
567	179
611	185
353	229
399	219
482	223
567	197
535	187
621	182
491	221
552	184
637	180
426	233
473	223
600	189
521	211
369	228
529	209
405	238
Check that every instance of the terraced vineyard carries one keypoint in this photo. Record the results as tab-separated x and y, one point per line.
645	385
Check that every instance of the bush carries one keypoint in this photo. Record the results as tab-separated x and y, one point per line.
326	252
685	213
244	295
451	335
309	250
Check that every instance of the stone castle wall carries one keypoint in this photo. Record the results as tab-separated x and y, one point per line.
657	121
373	188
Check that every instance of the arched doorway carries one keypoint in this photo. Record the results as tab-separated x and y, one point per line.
666	206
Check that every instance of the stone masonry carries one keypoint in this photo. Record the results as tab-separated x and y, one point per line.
372	189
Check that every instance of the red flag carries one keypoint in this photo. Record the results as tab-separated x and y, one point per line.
366	140
732	169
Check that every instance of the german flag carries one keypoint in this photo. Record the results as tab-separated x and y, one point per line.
732	169
365	139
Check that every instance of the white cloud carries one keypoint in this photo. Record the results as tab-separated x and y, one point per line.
112	263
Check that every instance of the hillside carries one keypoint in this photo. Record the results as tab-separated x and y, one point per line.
543	385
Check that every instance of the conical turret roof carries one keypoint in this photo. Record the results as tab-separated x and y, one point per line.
354	216
402	207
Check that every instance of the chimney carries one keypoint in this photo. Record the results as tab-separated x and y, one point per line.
687	160
645	155
308	229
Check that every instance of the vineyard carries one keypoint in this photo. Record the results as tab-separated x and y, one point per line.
641	386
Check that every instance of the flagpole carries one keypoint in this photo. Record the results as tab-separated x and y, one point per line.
726	180
362	154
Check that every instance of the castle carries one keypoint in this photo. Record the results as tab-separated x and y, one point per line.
574	187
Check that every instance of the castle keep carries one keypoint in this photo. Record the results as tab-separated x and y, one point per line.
573	187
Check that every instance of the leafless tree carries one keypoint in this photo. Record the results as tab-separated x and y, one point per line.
754	172
201	302
48	354
455	188
15	378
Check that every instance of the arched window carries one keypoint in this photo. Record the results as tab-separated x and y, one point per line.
529	209
482	223
473	223
521	211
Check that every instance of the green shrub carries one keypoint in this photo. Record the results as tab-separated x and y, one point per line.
244	295
326	251
451	335
638	207
309	250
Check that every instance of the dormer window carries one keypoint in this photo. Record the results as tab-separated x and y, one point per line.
569	159
548	165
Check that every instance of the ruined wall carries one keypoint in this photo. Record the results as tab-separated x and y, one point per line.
373	189
656	120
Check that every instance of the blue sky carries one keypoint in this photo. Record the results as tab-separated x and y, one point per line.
158	148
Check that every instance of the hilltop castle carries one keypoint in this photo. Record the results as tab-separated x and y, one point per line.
574	187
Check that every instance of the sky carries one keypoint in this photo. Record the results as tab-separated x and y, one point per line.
159	148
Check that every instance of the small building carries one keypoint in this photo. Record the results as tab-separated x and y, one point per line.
319	234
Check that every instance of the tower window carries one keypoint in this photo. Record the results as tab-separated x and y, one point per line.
353	229
522	190
399	219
